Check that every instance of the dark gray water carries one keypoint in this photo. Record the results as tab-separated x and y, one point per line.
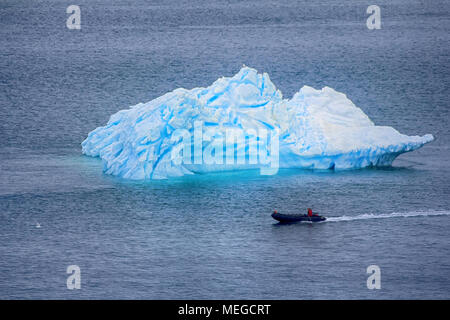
211	236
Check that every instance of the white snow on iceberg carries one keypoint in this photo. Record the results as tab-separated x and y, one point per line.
317	129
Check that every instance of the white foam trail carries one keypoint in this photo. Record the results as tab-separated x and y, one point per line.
389	215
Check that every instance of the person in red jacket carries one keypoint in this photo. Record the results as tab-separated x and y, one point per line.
310	212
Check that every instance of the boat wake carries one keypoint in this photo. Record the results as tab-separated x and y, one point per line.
389	215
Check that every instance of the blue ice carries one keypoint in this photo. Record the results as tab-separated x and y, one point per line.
317	129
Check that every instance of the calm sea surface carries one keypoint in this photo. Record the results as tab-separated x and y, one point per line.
211	236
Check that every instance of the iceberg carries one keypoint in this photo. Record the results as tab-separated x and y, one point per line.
173	135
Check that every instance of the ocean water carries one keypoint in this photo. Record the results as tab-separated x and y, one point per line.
211	236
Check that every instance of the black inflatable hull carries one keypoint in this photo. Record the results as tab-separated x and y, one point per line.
289	218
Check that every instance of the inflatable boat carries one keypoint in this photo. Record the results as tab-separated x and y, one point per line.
289	218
